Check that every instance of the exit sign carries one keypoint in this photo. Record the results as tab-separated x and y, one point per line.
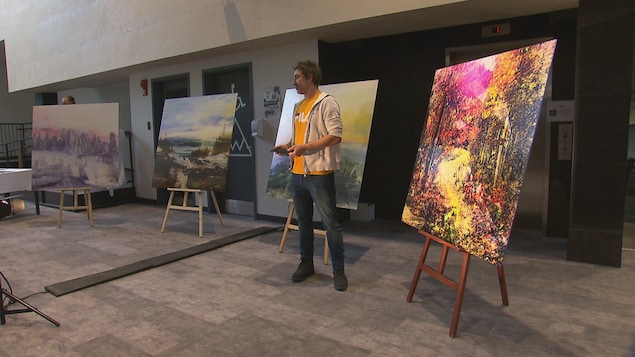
496	30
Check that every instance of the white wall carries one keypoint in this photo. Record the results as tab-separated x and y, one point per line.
270	67
45	39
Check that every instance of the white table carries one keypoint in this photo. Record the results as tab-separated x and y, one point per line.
14	180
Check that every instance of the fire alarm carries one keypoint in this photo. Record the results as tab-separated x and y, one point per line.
144	86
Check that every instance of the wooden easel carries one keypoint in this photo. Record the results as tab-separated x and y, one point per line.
288	226
185	207
459	286
88	204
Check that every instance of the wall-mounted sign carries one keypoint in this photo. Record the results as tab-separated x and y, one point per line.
560	110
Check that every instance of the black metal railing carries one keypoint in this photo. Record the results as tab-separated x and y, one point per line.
15	144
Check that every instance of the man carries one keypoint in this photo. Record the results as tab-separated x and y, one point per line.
315	153
68	100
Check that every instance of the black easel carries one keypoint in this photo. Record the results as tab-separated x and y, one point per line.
29	308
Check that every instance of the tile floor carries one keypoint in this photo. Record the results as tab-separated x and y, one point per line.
239	301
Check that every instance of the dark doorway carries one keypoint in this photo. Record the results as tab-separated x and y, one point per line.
239	196
165	88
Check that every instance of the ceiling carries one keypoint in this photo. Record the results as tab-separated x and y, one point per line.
461	13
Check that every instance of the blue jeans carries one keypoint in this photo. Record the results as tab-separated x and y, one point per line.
318	189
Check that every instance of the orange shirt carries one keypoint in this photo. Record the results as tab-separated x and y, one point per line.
299	123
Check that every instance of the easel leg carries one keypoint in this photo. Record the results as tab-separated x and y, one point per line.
167	211
415	278
3	320
443	259
59	217
286	226
220	216
460	292
457	286
200	214
37	202
89	205
185	198
502	283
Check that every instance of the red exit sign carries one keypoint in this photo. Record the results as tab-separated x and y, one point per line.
496	30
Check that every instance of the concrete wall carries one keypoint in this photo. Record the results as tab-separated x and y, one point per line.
15	107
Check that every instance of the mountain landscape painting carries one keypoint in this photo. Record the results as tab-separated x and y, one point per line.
194	142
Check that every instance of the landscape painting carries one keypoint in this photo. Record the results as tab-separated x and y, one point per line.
76	146
357	104
473	153
194	142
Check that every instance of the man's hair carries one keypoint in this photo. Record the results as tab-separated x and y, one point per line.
310	69
69	99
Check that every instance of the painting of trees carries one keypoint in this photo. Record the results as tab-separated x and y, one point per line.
473	153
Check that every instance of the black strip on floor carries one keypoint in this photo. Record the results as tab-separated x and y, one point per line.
69	286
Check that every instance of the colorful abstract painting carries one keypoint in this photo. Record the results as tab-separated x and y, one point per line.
357	104
194	142
76	146
473	153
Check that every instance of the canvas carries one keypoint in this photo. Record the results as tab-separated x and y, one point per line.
357	104
76	146
194	142
473	153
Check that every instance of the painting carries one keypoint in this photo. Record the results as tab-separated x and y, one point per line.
473	153
357	104
76	146
194	142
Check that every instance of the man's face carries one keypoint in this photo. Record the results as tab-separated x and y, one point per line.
300	82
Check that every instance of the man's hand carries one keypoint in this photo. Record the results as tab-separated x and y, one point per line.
297	150
300	149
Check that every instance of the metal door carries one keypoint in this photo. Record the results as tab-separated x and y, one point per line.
239	197
162	89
